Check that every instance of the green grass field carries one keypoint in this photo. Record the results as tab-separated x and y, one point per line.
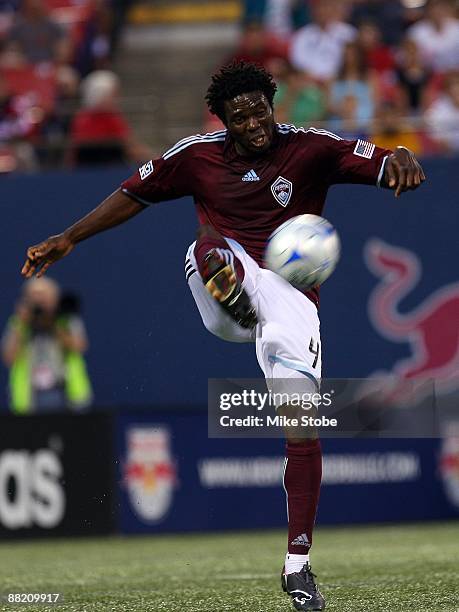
401	568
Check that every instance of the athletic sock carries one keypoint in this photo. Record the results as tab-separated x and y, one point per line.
211	239
295	563
302	476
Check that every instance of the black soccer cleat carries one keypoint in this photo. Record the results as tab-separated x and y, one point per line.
221	279
302	588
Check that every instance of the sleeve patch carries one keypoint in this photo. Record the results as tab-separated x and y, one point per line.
146	170
364	149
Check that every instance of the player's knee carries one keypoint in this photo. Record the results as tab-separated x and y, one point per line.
226	329
219	328
215	327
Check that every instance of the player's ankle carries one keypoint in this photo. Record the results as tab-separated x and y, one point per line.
295	563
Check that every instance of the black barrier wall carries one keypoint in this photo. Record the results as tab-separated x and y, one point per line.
56	475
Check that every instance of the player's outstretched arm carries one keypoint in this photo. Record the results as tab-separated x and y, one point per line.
115	209
403	171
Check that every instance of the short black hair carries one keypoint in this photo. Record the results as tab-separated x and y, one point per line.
235	79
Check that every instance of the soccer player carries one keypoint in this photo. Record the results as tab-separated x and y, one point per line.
246	180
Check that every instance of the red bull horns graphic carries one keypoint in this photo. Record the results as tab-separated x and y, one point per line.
431	329
149	472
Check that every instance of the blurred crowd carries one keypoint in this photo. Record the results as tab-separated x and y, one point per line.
59	98
385	70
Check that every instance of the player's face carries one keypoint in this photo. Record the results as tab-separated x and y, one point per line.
250	121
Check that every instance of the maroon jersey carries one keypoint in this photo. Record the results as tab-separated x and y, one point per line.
247	198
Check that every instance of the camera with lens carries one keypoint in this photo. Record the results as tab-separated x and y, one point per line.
40	319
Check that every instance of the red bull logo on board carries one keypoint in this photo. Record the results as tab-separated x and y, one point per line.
431	329
150	472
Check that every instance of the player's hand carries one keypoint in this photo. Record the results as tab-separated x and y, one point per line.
403	171
43	255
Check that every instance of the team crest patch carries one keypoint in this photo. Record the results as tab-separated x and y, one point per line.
146	170
282	190
364	149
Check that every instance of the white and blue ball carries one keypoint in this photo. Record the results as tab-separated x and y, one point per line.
304	250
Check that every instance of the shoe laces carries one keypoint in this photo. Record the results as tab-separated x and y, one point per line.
308	575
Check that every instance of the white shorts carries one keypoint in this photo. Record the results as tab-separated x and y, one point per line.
287	337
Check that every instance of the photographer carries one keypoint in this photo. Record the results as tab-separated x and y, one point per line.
42	346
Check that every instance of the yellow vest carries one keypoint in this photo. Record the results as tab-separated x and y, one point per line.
78	389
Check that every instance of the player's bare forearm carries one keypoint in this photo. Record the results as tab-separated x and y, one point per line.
113	211
402	172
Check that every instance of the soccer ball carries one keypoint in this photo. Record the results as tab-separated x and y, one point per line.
304	250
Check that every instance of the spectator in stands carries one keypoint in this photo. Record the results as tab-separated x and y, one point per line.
317	48
299	100
119	10
12	124
442	117
392	129
8	8
93	51
438	36
18	120
259	47
380	60
67	96
282	17
56	126
413	76
36	37
99	132
254	10
43	346
378	55
354	81
388	14
345	121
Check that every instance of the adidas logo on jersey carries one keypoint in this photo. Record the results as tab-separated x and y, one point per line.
301	540
251	176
